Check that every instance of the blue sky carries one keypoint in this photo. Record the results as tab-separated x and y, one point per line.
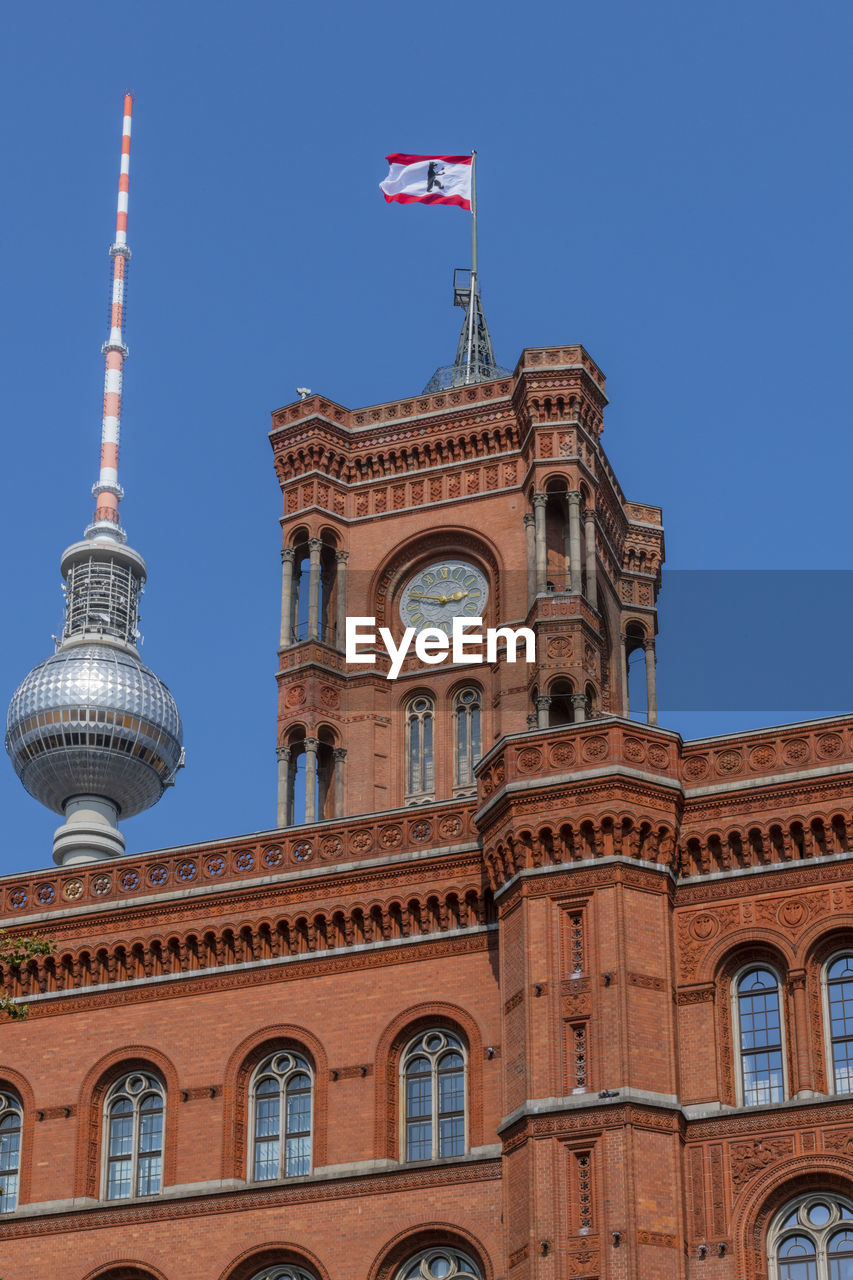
667	183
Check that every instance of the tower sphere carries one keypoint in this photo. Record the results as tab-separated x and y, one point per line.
93	719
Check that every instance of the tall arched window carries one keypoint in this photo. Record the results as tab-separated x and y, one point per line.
281	1117
812	1239
433	1078
420	724
760	1035
439	1263
468	749
10	1151
561	709
133	1137
839	995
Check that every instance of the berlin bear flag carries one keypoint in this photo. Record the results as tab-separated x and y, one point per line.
429	180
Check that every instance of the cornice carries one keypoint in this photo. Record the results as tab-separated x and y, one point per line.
751	881
590	873
471	940
396	429
563	786
311	1189
780	1117
546	1117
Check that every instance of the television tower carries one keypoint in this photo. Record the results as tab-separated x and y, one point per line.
92	732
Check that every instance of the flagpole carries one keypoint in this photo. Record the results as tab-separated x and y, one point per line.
472	300
474	213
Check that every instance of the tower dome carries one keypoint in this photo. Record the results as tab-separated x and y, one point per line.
92	732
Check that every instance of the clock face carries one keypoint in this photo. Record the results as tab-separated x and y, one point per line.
441	592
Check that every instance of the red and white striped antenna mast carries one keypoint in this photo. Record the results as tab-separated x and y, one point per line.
107	491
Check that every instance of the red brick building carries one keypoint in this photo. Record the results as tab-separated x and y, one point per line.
520	988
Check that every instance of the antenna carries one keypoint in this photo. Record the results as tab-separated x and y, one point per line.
108	492
475	357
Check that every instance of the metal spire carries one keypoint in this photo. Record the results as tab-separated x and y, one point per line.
108	492
475	357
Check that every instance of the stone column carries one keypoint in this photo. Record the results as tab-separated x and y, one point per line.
341	558
283	756
314	548
797	987
567	549
574	500
530	545
288	556
651	681
591	575
623	657
311	745
340	755
543	706
579	705
539	500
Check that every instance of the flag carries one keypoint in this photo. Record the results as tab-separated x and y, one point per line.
428	180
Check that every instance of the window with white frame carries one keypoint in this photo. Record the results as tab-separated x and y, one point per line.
11	1116
439	1263
133	1137
420	736
760	1037
838	976
281	1117
433	1071
467	732
812	1239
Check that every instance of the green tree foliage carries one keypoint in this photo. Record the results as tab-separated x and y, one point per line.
15	953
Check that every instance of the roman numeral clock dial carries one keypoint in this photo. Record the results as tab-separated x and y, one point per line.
441	592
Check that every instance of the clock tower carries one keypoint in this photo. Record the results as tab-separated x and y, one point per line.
495	501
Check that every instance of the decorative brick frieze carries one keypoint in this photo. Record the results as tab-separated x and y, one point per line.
253	858
182	982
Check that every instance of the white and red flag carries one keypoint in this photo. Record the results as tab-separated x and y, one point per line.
429	180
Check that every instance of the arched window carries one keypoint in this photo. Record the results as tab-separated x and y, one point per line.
433	1078
468	749
281	1117
133	1137
440	1263
812	1239
10	1151
420	724
283	1272
561	709
760	1032
839	995
310	773
310	614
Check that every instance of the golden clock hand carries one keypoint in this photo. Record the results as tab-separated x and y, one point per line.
457	595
